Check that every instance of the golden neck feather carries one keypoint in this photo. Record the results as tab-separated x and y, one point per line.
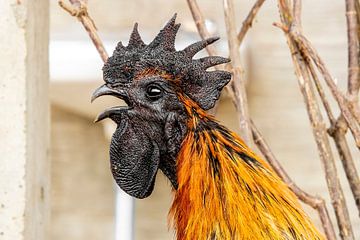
227	192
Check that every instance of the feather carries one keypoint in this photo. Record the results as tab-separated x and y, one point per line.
227	192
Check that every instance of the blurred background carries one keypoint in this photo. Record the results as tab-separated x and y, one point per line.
83	195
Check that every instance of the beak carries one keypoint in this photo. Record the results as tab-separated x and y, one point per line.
105	90
109	112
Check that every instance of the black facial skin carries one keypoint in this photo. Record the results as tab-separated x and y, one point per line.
148	134
151	128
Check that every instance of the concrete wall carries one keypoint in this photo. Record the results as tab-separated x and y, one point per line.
24	168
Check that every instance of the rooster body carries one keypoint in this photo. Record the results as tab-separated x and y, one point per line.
222	190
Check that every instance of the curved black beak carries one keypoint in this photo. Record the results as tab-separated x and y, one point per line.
105	90
107	113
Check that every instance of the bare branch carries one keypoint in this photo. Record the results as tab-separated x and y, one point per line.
353	31
79	10
321	92
301	52
247	23
200	24
238	82
338	127
340	99
337	131
353	49
297	13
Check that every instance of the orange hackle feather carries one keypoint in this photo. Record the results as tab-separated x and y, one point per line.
226	191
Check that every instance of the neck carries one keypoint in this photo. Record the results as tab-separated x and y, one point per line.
226	192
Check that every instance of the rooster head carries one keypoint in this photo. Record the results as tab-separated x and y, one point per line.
150	78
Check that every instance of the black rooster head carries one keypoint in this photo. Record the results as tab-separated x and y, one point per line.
149	78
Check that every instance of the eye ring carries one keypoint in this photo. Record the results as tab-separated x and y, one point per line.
154	92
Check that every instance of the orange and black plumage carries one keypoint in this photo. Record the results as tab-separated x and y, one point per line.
222	190
227	192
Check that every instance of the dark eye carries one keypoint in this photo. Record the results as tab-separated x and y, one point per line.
154	92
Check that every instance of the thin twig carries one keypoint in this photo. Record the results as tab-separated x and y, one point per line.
353	31
326	156
238	81
247	23
303	43
313	201
321	92
353	49
200	25
340	99
78	9
337	131
301	52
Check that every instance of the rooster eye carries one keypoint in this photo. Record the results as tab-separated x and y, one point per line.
154	92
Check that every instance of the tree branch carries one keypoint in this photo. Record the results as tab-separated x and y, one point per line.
320	91
238	83
353	50
340	99
337	131
247	23
200	25
353	34
300	54
78	9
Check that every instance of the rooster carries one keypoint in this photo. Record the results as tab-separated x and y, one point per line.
222	190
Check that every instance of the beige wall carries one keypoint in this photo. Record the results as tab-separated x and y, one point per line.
82	187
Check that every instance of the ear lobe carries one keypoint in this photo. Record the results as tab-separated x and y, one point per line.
134	160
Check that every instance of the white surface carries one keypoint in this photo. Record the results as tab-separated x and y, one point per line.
76	60
124	221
